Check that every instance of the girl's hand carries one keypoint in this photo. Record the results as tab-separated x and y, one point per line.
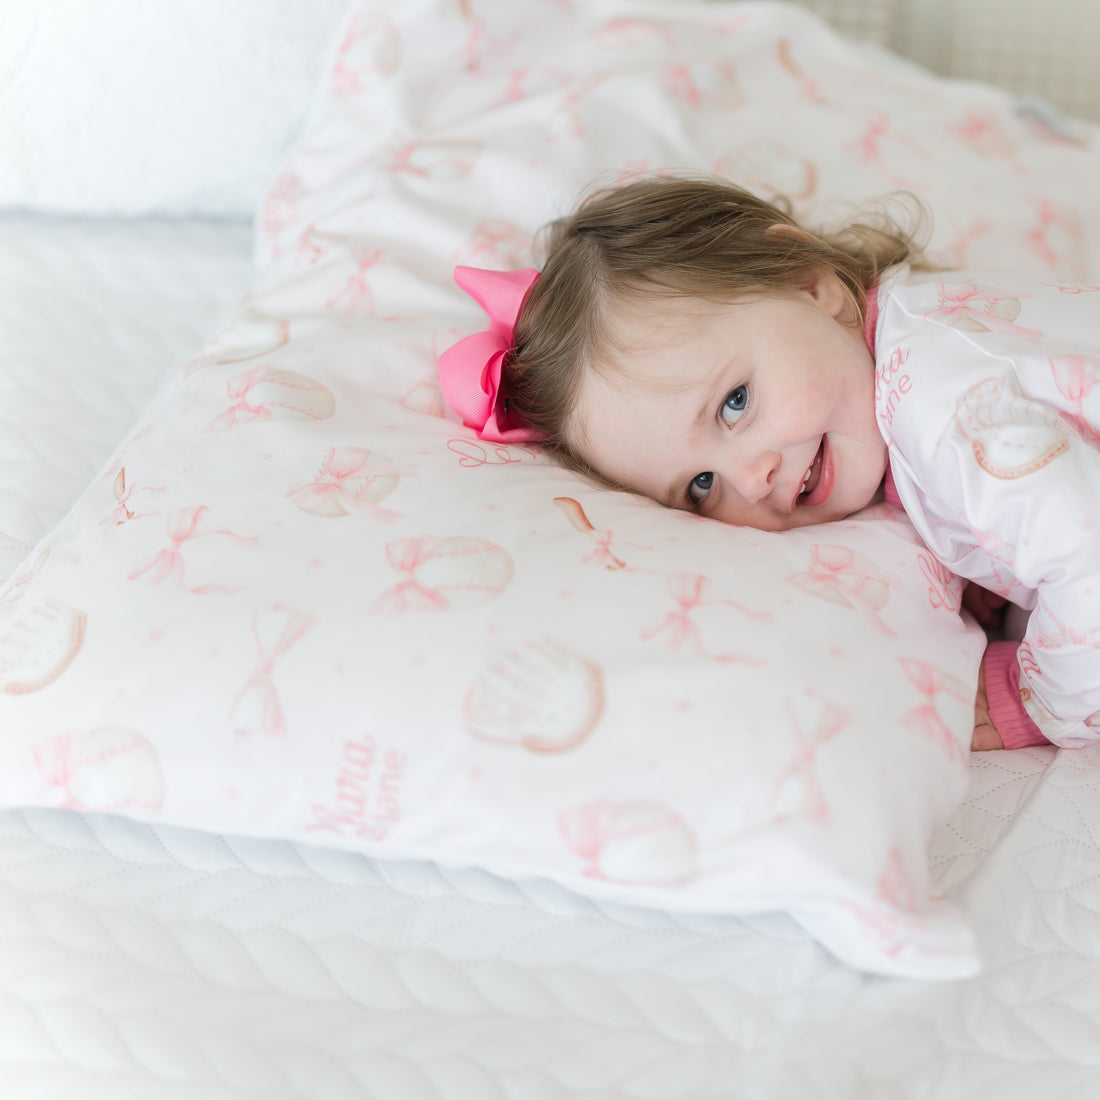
985	736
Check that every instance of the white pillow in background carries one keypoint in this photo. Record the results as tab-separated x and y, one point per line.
153	106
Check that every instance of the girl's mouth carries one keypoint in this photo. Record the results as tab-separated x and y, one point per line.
817	485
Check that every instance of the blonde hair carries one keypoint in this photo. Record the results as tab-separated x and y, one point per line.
661	238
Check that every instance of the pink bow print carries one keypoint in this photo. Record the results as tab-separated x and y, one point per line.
469	371
967	302
258	699
406	556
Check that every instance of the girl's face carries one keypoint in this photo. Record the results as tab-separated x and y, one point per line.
759	413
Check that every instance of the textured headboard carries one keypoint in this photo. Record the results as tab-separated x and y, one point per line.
1046	50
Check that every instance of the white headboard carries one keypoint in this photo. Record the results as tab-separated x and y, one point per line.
1046	49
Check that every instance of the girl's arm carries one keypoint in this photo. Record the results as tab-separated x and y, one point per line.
985	736
1000	721
1048	687
999	692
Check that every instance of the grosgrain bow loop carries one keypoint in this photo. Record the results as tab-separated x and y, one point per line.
469	371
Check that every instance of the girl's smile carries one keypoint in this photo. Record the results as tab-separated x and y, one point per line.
758	413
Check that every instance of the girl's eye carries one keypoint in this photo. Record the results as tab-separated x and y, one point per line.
735	404
700	485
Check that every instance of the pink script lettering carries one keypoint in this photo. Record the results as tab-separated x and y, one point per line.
892	383
366	800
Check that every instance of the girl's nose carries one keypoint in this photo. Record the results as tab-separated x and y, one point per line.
755	476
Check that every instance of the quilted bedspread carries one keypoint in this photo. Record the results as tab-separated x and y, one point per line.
93	315
167	964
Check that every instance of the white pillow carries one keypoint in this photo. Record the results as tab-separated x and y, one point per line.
174	107
303	602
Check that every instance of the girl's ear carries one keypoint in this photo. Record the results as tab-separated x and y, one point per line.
823	286
792	232
828	291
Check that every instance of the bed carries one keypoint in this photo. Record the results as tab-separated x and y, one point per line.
289	808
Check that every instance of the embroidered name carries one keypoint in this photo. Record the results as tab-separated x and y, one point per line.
366	801
892	383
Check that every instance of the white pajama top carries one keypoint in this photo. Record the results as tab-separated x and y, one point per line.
987	392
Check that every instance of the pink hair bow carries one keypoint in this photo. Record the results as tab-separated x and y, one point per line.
469	371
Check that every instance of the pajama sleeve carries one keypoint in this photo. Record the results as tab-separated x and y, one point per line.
1041	519
988	396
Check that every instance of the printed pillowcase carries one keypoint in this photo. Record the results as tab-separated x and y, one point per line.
302	602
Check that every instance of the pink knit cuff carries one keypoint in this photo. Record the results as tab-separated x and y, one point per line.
1002	689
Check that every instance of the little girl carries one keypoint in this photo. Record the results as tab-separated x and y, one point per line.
691	342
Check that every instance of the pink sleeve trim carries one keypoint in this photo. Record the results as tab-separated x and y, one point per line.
1006	708
870	318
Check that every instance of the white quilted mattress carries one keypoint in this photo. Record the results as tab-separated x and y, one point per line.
154	963
93	314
